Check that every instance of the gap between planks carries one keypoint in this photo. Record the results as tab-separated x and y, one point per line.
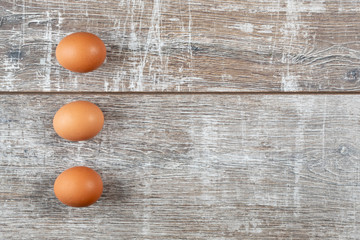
181	93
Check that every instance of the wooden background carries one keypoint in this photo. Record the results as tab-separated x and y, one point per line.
223	119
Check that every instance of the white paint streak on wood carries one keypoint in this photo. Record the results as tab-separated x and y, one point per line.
133	42
297	6
57	39
48	50
189	30
266	29
23	25
153	44
118	80
245	27
304	110
74	79
9	68
106	85
224	7
290	31
118	34
289	82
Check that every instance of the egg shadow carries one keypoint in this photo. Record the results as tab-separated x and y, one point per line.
44	200
115	192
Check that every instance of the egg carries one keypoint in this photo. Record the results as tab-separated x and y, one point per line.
81	52
78	121
78	186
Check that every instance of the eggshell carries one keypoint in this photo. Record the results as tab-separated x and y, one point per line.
81	52
78	121
78	186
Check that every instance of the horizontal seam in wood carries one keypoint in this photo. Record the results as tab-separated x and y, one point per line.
180	93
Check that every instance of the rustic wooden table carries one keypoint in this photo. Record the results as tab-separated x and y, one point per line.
223	119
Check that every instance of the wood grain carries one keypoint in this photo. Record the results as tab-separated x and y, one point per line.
185	46
187	167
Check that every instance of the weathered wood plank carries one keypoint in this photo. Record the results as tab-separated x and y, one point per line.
194	45
187	167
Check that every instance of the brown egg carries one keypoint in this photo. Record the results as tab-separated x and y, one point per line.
78	187
81	52
78	121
